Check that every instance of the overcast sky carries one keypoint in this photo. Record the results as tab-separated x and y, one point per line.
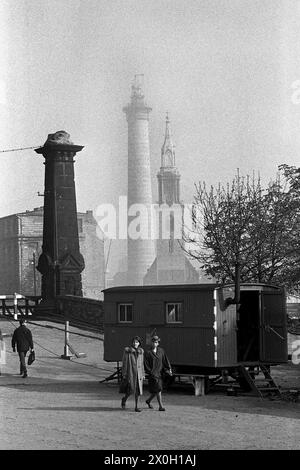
225	70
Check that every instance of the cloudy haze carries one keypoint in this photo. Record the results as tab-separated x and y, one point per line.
225	70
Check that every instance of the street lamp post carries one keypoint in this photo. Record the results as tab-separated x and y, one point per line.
34	272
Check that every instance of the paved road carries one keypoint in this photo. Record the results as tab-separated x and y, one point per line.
62	405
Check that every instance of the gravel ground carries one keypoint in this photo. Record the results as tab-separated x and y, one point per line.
63	405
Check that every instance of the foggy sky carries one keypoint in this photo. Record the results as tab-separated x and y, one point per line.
225	70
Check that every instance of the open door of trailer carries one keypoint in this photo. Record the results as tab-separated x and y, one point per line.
225	328
273	328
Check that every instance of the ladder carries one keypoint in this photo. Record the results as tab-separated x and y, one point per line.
269	387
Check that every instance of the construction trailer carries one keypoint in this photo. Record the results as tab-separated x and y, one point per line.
202	331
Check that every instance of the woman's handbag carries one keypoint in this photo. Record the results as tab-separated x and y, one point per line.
124	386
31	357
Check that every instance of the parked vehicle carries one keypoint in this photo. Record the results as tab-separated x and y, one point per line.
201	330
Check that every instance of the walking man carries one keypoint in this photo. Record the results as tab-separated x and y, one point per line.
22	338
156	362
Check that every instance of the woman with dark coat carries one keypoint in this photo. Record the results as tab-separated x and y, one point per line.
133	372
156	362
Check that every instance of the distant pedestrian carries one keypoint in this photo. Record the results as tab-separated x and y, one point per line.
133	372
2	351
22	338
156	363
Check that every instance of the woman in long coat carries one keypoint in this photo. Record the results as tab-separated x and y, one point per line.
133	372
156	362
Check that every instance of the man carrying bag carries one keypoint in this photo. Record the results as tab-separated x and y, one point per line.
22	338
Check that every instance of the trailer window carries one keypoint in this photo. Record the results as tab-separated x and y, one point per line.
174	312
125	313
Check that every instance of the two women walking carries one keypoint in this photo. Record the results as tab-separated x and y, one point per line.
136	363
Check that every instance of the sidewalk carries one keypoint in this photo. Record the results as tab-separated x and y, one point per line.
62	406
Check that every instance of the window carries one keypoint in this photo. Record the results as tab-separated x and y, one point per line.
125	313
174	312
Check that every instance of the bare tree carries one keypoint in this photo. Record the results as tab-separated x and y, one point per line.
245	233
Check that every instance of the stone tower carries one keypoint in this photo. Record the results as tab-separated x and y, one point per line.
61	262
140	245
171	266
168	179
168	176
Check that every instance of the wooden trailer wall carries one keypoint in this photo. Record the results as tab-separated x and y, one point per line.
189	342
210	333
257	333
225	328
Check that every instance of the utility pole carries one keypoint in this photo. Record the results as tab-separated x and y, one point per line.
106	263
34	273
33	263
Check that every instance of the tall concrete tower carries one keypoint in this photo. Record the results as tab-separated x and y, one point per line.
140	245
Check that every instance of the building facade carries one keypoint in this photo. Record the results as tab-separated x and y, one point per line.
21	239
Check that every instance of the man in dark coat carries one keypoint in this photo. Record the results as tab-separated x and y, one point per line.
22	338
156	362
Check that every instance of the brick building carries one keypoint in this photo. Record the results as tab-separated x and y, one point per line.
21	238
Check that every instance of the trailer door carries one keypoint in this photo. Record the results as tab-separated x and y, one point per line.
225	328
273	336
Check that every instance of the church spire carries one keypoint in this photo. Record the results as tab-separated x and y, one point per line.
168	176
168	149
